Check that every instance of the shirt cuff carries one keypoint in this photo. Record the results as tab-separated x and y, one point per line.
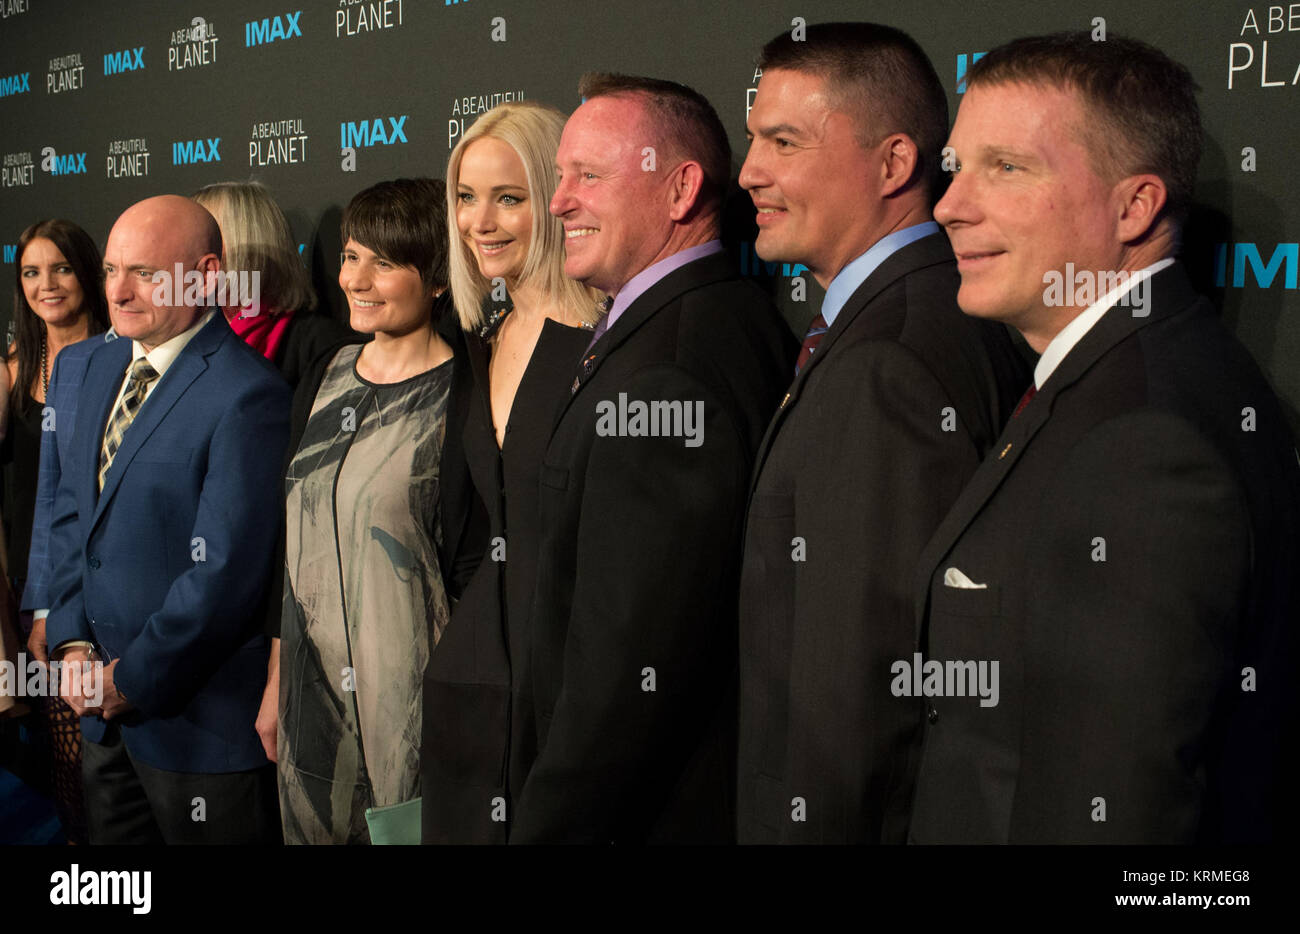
38	615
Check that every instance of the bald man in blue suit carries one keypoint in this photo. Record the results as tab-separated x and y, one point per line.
164	524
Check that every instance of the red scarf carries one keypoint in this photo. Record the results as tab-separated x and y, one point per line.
263	331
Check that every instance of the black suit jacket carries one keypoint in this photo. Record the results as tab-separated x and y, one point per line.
1136	530
880	431
633	632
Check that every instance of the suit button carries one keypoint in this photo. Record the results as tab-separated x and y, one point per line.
93	562
932	715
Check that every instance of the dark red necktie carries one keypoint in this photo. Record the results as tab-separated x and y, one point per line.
816	331
1024	400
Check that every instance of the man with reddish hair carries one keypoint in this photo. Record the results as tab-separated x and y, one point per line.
1127	557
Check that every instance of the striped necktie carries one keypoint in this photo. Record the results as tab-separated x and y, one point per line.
142	374
816	331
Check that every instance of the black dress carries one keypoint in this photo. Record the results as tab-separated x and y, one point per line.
21	455
466	740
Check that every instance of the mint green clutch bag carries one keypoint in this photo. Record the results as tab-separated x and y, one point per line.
396	824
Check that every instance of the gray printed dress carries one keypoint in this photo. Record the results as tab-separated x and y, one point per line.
364	602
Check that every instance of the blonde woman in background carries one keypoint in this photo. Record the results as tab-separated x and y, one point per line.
280	320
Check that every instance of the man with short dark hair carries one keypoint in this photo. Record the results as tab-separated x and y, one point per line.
896	398
1121	573
162	534
620	700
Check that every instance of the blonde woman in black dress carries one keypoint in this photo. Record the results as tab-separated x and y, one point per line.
533	324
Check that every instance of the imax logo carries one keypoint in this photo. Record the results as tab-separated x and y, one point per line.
372	132
1246	256
260	32
187	153
127	60
73	163
961	69
11	252
15	84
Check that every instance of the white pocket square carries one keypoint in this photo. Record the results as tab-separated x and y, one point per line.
955	578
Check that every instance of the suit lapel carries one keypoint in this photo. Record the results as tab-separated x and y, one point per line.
1170	292
716	267
930	250
988	477
171	386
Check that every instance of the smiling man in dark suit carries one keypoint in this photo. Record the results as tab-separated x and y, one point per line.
1127	556
618	736
896	398
162	532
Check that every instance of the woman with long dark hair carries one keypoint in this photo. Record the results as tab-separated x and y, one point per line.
58	301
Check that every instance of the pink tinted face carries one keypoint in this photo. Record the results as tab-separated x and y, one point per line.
145	241
615	212
1024	201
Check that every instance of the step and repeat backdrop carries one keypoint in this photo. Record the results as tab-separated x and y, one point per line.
105	102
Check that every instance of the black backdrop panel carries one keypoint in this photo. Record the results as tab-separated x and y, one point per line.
103	103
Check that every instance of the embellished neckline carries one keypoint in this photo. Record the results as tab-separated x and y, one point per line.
494	322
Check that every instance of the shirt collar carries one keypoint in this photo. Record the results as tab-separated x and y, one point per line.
641	282
165	354
1073	332
848	279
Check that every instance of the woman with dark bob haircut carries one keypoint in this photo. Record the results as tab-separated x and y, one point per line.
58	300
371	532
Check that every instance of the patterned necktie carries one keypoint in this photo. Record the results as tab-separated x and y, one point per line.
142	374
816	331
603	306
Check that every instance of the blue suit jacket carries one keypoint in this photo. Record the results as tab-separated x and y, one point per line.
61	400
165	568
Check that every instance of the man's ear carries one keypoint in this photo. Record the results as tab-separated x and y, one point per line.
684	187
1139	199
899	159
209	264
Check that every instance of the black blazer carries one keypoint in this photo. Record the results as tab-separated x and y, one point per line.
880	431
473	688
633	632
310	334
1137	532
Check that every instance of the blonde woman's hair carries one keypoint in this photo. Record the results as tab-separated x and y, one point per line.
532	130
256	236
